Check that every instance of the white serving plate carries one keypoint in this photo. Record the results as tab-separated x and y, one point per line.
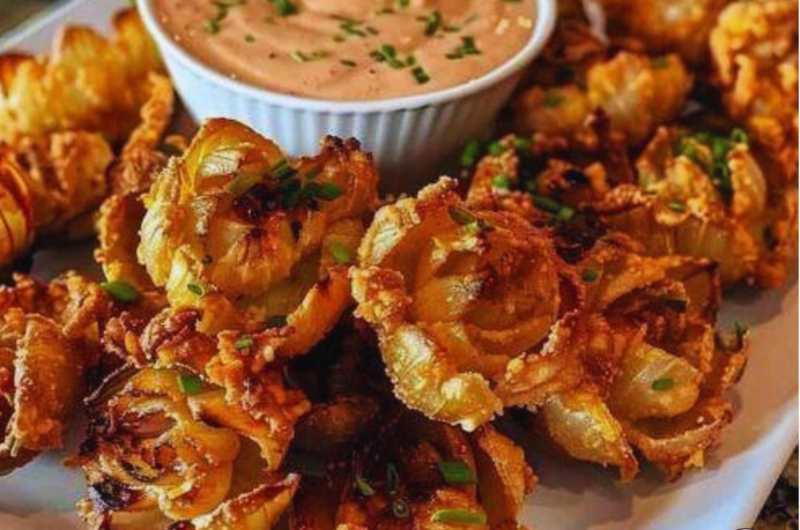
726	495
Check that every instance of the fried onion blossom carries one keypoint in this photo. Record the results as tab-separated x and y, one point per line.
163	449
258	242
455	296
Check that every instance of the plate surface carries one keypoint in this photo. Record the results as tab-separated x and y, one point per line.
726	495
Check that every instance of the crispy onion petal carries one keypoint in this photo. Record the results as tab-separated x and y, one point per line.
504	478
152	457
456	296
580	423
250	237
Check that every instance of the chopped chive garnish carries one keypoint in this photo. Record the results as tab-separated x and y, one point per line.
197	288
310	191
329	191
388	54
277	321
211	26
589	275
347	62
566	213
420	75
562	212
289	185
496	149
282	170
341	254
552	99
432	23
249	38
740	136
121	291
189	384
364	487
461	216
285	7
458	516
292	198
400	509
471	153
522	144
303	57
243	342
717	168
677	207
663	384
501	182
467	48
351	29
546	203
404	3
457	472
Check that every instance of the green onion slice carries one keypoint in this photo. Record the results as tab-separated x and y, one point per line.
329	191
472	151
341	254
456	472
590	275
663	384
243	342
285	7
496	149
677	207
459	516
502	182
197	288
189	384
121	291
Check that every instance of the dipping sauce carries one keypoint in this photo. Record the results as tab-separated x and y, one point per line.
350	49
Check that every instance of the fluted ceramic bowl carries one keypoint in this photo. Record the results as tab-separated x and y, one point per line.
409	136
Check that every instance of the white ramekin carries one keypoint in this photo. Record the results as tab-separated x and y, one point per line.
409	136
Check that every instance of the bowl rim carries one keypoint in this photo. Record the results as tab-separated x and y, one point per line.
545	12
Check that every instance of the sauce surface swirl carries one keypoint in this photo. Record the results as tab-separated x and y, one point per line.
349	50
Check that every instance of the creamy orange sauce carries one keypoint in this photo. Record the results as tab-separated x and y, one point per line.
350	49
